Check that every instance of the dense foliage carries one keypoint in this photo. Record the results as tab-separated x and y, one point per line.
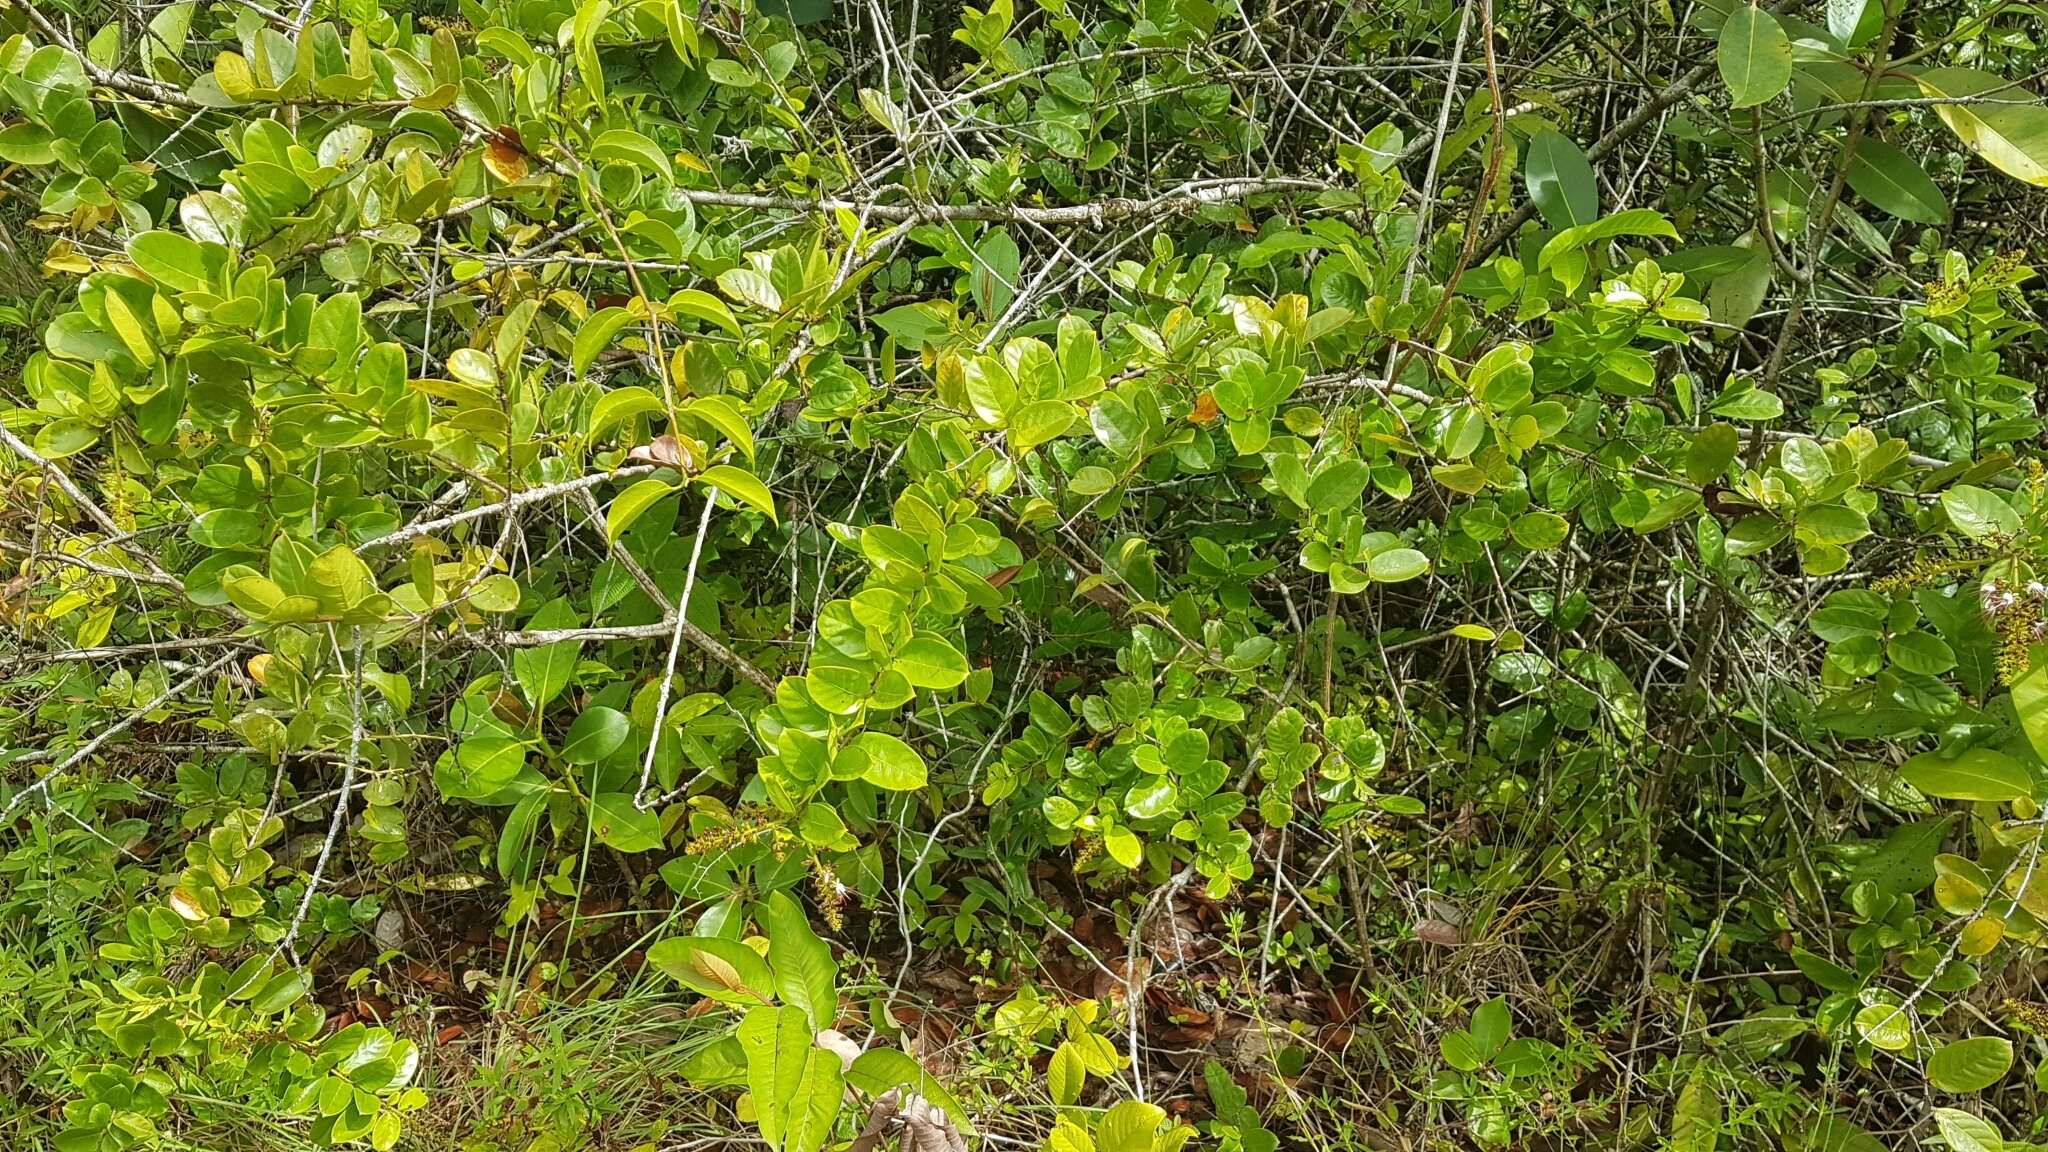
602	574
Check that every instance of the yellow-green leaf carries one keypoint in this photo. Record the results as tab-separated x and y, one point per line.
631	504
741	485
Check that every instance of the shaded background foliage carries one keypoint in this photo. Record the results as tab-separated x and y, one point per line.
1393	576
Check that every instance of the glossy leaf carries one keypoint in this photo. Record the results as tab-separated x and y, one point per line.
1970	1065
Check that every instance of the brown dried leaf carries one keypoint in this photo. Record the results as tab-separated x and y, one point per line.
453	882
1205	411
927	1128
1441	932
841	1045
1172	939
505	156
507	707
666	451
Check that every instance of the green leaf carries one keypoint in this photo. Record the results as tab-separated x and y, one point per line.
619	405
1116	424
1905	861
340	580
701	305
1066	1075
590	16
821	827
1539	531
251	591
1491	1026
1092	481
1128	1126
891	764
626	146
2030	701
227	528
1039	422
1833	524
1079	353
1460	1050
928	660
741	485
1895	182
1970	1065
1886	1026
73	336
1834	1134
1396	565
1754	55
729	72
1152	799
1466	478
1830	976
995	277
1734	296
514	859
596	734
65	437
1855	22
1979	512
720	1064
1123	846
30	144
628	506
1337	484
595	335
1751	404
474	366
615	821
170	259
877	1070
1632	222
484	764
1922	653
1561	181
725	970
495	593
1696	1118
884	111
795	1085
1978	774
723	414
806	976
1713	448
1806	462
544	671
917	325
749	286
1963	1132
